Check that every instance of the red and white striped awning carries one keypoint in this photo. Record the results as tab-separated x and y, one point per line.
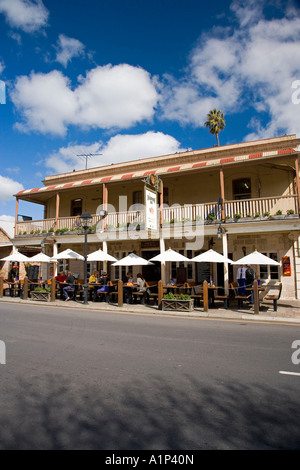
182	167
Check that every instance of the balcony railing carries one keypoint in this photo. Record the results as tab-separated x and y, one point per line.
189	212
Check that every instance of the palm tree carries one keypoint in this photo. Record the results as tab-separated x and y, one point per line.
215	122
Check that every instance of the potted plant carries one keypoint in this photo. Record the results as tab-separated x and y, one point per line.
290	212
41	293
237	217
211	217
181	303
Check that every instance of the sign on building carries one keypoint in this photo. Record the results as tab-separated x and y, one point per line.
150	209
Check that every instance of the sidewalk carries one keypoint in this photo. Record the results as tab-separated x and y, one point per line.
287	311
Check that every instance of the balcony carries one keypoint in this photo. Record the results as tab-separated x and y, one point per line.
242	210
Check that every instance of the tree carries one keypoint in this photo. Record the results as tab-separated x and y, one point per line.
215	122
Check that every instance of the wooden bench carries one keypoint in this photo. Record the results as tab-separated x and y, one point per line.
236	296
274	294
224	298
152	291
113	292
196	293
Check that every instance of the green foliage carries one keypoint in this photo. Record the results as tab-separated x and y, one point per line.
171	296
42	289
215	122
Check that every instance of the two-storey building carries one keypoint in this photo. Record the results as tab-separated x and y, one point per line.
233	198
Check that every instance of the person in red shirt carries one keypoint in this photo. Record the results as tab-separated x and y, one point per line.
60	278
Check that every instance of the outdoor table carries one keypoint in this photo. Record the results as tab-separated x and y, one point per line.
173	287
129	288
211	295
259	288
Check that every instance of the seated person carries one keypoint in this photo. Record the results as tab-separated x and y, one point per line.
104	288
142	286
70	281
94	277
60	278
127	281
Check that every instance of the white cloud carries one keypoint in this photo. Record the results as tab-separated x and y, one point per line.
67	48
46	102
7	222
8	187
250	66
67	159
120	148
108	97
28	15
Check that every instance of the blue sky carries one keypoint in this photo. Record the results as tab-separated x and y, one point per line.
135	78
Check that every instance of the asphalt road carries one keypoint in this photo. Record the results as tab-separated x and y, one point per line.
95	380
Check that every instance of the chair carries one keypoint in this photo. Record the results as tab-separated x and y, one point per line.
152	291
236	296
224	298
113	294
104	294
274	294
196	294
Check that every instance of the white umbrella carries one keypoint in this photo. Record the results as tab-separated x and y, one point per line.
100	255
18	257
211	256
68	254
169	255
40	258
257	258
132	260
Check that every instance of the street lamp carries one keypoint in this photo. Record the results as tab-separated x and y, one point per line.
86	220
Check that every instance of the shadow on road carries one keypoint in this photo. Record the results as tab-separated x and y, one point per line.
52	413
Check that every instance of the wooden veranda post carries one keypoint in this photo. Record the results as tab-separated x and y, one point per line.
25	288
120	293
53	289
205	296
256	297
1	287
160	294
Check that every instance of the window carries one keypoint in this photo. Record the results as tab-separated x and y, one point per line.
269	272
241	188
166	196
76	207
137	197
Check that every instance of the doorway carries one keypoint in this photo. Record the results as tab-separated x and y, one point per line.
151	272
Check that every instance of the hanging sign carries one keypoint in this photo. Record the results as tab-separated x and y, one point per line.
150	209
286	266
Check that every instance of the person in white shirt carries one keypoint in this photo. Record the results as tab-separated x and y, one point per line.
241	279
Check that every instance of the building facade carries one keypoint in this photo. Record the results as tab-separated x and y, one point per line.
234	199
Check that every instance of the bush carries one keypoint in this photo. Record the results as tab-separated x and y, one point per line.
42	289
171	296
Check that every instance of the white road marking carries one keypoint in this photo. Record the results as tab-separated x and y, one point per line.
285	372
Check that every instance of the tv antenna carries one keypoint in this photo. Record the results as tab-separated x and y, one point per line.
87	156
